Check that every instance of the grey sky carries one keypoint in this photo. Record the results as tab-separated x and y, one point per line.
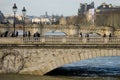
39	7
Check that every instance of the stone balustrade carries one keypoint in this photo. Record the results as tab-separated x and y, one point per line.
11	40
59	40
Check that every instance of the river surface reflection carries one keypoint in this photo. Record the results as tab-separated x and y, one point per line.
91	69
33	77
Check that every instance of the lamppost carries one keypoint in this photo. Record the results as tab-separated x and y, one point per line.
24	14
14	10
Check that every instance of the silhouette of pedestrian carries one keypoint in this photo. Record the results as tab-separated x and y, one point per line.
87	35
29	34
5	34
13	35
34	35
2	35
38	34
24	34
110	35
16	34
104	35
81	34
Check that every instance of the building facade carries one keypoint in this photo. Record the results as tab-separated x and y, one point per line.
86	13
1	17
108	15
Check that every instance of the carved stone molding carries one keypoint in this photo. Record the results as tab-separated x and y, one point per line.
12	61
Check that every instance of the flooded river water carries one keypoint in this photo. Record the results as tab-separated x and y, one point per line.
33	77
92	69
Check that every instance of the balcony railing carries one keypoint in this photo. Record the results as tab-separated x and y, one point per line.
59	40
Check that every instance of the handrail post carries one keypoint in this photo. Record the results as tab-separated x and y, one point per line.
64	39
43	40
84	40
106	40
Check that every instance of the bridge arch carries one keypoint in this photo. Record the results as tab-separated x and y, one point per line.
64	30
53	58
68	29
100	30
55	33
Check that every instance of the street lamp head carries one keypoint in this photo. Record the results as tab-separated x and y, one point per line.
14	8
24	11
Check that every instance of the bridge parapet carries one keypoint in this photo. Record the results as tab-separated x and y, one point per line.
72	40
101	30
60	40
11	40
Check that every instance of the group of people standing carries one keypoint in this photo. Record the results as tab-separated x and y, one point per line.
87	35
26	34
9	34
16	34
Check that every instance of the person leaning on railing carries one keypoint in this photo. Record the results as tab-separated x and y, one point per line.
36	35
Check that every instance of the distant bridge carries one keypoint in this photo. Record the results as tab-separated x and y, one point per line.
75	30
69	30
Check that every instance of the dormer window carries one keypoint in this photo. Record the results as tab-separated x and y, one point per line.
110	5
104	6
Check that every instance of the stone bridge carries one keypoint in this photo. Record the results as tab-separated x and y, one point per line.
69	30
75	30
38	59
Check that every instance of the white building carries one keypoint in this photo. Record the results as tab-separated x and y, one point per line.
91	15
36	20
19	17
41	20
45	20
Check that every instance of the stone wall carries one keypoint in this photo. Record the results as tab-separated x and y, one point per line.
38	60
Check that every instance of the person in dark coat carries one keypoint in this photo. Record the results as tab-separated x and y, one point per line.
24	34
16	35
34	35
29	34
5	34
87	35
81	34
104	35
38	34
110	35
2	35
13	35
